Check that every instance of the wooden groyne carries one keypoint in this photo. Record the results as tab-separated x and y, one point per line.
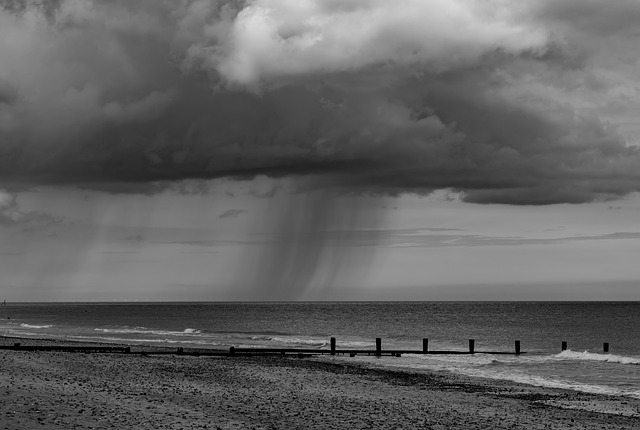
65	348
234	351
300	352
378	351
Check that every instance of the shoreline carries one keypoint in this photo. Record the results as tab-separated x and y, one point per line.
89	390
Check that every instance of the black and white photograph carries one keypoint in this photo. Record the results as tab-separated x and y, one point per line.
319	214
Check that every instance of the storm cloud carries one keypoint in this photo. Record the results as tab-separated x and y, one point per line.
505	102
12	214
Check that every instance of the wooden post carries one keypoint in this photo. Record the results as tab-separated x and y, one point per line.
333	346
517	347
472	345
564	345
425	345
605	347
378	347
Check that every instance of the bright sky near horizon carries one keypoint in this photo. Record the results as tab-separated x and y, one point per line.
319	150
68	245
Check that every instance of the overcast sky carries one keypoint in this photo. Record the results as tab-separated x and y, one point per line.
319	149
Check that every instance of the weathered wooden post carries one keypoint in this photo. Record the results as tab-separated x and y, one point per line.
564	345
378	347
517	347
472	346
333	346
425	345
605	347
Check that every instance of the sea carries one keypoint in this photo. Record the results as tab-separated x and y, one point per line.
541	327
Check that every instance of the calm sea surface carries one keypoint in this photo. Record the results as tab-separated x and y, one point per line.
540	326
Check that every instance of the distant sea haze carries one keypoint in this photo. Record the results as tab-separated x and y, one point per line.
539	326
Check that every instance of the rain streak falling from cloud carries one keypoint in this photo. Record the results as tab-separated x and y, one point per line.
503	102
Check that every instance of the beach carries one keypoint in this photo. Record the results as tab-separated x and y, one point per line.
62	390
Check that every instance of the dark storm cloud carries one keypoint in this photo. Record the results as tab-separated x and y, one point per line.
591	17
48	8
508	103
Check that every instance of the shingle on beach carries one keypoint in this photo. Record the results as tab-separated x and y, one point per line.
61	390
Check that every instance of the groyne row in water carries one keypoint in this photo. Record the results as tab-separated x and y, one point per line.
301	352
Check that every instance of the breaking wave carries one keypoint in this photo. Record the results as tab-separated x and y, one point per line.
143	340
35	326
144	330
590	356
291	340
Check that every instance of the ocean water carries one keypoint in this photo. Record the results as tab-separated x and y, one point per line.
540	327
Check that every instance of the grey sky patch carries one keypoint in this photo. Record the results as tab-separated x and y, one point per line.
416	240
411	238
119	252
134	238
558	228
232	213
200	251
438	229
11	214
208	243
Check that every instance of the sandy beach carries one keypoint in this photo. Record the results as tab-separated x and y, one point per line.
62	390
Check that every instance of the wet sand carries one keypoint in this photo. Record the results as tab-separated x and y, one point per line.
62	390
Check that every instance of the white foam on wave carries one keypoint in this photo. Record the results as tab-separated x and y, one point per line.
291	340
354	344
542	381
482	367
144	330
568	355
35	326
591	356
462	359
144	340
20	333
